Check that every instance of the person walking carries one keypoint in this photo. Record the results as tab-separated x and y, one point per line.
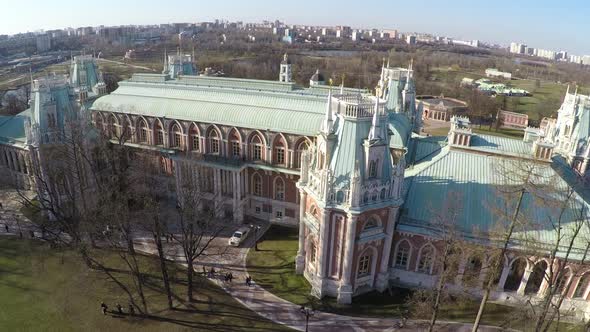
103	308
119	309
230	276
248	281
6	227
131	309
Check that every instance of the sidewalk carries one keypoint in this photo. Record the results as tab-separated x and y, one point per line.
255	298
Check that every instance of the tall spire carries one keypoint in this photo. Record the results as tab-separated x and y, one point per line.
375	132
388	63
328	124
342	85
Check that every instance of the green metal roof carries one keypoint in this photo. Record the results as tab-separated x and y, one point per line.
475	177
501	145
12	128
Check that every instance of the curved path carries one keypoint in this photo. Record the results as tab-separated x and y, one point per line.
256	298
284	312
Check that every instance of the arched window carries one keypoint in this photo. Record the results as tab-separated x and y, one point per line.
194	138
279	189
98	122
366	197
426	261
279	152
563	280
582	286
159	133
374	196
302	146
142	132
126	133
372	169
176	136
371	224
382	195
402	255
257	185
364	268
339	196
257	148
112	127
213	142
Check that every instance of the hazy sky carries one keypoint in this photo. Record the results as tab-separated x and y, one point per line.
550	24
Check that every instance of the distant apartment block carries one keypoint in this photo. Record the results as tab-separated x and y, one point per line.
517	48
43	43
411	40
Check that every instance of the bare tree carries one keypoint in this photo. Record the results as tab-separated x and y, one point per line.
199	226
449	243
517	178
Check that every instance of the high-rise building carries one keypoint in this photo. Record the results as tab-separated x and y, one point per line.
43	43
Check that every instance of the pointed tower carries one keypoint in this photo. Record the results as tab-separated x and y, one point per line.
347	197
165	69
285	71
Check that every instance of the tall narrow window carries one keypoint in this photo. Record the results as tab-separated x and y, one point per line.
582	286
214	142
279	189
402	255
194	138
364	266
143	132
256	148
373	169
426	260
235	149
159	133
279	151
176	136
257	185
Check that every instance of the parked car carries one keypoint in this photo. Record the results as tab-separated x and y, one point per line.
239	236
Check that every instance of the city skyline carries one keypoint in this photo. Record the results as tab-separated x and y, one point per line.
499	22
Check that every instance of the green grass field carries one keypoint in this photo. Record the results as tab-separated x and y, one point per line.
273	267
49	290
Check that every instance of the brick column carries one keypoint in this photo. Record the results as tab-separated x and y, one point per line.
383	276
300	259
345	289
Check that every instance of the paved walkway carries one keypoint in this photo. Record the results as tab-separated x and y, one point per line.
284	312
256	298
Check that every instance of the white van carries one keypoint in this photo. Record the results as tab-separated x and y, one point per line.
239	236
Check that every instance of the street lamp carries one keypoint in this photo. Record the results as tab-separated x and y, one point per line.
256	228
308	312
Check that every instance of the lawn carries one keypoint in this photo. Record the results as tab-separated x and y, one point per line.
45	289
273	268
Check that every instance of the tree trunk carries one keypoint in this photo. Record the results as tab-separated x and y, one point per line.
189	277
162	257
136	273
500	263
439	290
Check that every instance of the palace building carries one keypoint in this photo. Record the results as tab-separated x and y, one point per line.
347	167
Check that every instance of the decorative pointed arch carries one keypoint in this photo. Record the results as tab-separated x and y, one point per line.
158	130
176	138
279	188
426	256
112	126
257	146
402	254
214	139
194	137
234	143
142	130
301	145
257	184
372	222
280	146
367	262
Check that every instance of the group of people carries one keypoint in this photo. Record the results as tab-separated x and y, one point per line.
105	309
228	277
